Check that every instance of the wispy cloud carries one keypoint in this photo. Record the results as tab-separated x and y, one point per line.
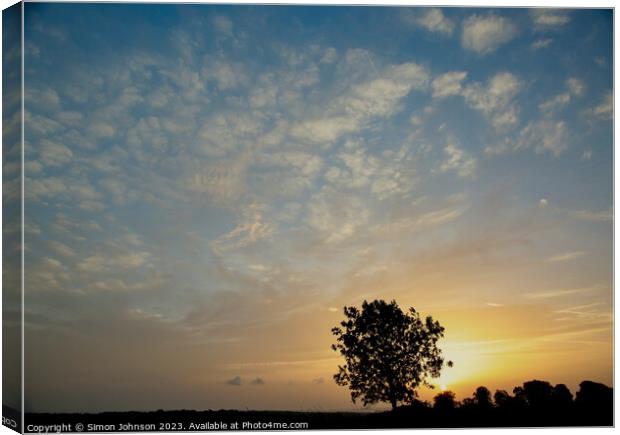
605	109
562	292
542	43
565	256
596	216
545	19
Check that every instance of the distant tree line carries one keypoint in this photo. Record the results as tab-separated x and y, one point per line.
535	403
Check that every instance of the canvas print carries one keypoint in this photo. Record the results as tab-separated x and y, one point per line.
297	217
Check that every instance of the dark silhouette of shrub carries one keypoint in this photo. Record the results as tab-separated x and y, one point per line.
388	353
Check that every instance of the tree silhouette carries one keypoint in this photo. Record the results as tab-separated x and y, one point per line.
388	353
562	397
537	394
445	402
482	397
596	403
502	398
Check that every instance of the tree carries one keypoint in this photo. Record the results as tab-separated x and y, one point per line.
445	401
562	397
388	353
595	403
502	398
482	397
594	394
537	394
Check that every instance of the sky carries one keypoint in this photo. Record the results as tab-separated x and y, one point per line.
207	186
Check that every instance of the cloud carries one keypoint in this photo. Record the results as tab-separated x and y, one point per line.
495	100
323	130
224	180
485	34
62	249
362	103
102	130
575	86
458	160
448	84
562	292
545	136
330	55
250	229
235	382
44	99
418	222
545	19
542	43
226	75
605	109
100	263
565	256
223	25
594	216
435	21
336	216
54	154
387	175
293	172
258	381
555	103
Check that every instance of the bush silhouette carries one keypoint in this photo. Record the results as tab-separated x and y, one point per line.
388	353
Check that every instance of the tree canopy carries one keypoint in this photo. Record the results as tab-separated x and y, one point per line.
388	353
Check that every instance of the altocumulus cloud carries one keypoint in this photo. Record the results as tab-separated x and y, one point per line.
485	34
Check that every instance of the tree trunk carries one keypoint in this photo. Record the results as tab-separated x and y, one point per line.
393	402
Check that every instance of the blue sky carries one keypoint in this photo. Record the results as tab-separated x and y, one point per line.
207	186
